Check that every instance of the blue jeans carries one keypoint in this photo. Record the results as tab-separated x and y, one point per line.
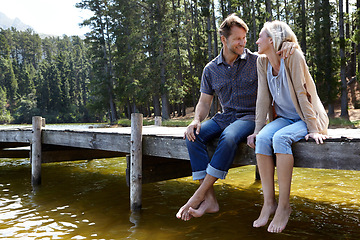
278	136
229	139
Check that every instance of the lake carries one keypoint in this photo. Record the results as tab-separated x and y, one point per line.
90	200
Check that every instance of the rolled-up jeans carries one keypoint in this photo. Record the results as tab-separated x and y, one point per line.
229	139
278	136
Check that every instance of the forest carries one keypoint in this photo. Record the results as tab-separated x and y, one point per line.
148	55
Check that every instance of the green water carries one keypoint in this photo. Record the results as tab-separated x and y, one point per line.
90	200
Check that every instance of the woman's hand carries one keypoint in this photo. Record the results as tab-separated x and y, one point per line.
189	132
251	140
318	137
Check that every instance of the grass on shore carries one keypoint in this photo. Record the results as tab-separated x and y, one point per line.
166	123
343	123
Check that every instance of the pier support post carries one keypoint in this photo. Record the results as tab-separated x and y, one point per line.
136	162
37	124
158	121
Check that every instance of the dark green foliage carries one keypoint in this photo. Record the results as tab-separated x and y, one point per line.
148	55
46	77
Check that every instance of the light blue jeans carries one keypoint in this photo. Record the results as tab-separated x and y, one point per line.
278	136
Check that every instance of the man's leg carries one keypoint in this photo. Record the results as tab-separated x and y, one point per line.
199	160
220	163
203	200
199	157
229	141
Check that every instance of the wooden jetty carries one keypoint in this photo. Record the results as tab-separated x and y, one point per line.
156	153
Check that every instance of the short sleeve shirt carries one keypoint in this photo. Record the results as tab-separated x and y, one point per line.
235	86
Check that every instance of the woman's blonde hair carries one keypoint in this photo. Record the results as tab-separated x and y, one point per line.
280	32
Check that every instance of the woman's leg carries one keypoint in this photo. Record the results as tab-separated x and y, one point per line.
265	162
284	167
266	169
282	141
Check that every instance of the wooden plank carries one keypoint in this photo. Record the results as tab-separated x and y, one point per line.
337	154
15	135
109	141
165	146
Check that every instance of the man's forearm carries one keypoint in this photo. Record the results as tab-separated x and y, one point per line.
201	111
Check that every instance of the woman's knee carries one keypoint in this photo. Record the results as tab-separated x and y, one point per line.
282	143
263	139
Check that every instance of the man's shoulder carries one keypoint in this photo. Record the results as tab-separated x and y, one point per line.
251	55
213	64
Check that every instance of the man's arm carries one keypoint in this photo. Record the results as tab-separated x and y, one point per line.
287	48
201	111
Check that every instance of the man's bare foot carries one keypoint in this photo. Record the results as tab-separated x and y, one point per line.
193	202
209	205
266	211
280	220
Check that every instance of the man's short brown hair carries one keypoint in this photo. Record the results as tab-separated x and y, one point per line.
231	20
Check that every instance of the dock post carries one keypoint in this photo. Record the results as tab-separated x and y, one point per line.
136	162
158	121
37	124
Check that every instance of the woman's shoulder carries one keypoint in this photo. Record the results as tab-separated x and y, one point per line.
262	60
297	55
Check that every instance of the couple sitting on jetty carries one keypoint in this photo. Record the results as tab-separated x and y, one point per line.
274	85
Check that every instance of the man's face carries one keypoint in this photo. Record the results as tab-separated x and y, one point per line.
235	43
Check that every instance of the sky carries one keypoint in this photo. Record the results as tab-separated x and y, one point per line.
54	17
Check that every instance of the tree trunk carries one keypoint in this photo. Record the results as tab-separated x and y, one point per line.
215	34
156	100
358	28
178	57
254	29
344	103
188	35
268	10
303	27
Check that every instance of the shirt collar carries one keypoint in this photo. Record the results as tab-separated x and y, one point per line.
243	56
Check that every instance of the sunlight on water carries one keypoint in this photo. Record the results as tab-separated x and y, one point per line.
90	200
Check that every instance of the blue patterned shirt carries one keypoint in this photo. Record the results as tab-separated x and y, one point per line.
235	86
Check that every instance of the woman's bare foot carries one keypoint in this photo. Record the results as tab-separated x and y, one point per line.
280	220
209	205
266	211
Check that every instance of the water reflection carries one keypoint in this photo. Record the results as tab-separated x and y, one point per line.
90	200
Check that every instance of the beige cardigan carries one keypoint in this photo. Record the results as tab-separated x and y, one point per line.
302	91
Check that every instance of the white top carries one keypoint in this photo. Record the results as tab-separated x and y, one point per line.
279	89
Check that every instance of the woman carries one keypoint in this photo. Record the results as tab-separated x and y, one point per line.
287	95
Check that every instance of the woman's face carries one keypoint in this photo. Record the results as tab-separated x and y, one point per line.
264	43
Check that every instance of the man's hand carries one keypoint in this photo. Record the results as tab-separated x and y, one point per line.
251	140
287	49
319	138
189	132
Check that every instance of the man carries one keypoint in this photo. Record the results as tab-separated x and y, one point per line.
233	77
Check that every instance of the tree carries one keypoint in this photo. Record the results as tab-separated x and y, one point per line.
101	40
344	103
